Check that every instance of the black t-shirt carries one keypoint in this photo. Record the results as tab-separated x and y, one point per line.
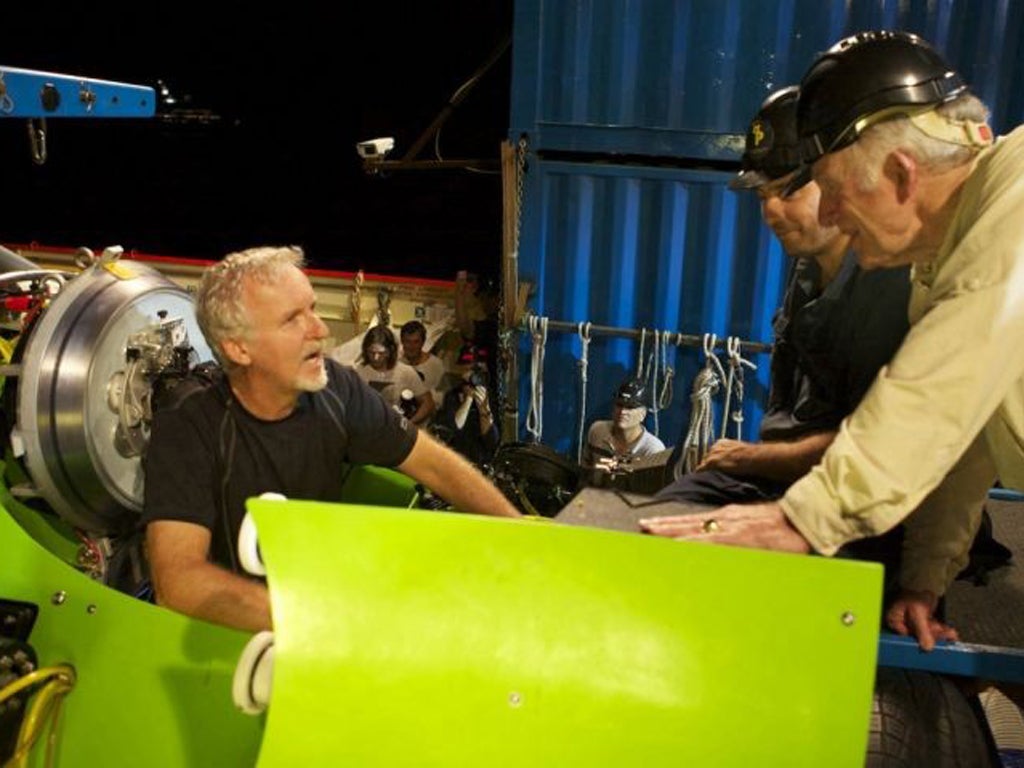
830	344
207	455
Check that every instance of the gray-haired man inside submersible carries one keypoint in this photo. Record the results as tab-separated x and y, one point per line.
907	167
283	419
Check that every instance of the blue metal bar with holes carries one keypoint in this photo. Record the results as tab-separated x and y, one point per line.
985	662
32	94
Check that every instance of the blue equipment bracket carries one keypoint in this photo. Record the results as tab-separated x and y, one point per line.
32	94
985	662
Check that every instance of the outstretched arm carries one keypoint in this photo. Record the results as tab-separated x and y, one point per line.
454	479
784	461
761	526
186	582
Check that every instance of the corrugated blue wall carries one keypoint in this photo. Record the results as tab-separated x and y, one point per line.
683	77
604	92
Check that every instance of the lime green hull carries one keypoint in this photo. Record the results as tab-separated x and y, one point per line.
409	638
426	639
153	688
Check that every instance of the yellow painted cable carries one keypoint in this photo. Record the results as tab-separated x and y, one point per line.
43	673
45	706
6	350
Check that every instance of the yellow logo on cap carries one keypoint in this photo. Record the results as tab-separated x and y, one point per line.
757	132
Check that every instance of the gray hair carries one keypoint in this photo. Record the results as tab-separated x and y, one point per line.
219	308
874	145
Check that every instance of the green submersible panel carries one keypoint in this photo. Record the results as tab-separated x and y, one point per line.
409	638
153	688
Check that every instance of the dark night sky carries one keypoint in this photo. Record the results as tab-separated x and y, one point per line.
296	88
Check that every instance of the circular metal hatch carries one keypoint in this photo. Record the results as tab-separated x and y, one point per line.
64	421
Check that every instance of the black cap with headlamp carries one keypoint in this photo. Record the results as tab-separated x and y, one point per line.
630	394
772	147
870	77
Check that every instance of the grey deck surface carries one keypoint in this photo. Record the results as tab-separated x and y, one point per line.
992	614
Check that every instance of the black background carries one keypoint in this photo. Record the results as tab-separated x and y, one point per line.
295	86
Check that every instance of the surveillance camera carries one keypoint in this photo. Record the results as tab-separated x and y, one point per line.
375	148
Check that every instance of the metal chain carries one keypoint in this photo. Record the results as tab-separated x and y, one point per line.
357	299
384	307
520	177
506	335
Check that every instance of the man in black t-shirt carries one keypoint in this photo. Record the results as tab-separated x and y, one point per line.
837	327
282	419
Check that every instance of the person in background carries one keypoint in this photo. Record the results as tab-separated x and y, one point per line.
480	334
398	383
465	421
281	418
429	366
623	437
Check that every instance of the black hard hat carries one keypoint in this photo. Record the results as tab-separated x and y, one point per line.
773	146
869	75
630	394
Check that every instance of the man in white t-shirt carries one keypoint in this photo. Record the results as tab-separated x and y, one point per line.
398	383
623	438
429	366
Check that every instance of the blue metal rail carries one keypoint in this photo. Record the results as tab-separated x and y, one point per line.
985	662
32	94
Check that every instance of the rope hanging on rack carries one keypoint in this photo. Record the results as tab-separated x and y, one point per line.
701	432
583	362
535	416
652	367
668	373
640	373
734	385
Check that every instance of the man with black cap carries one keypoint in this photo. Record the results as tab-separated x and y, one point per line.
907	167
623	438
837	326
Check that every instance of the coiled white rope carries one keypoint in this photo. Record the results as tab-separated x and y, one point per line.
701	432
583	331
535	418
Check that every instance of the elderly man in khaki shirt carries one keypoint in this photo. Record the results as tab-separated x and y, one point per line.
907	167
